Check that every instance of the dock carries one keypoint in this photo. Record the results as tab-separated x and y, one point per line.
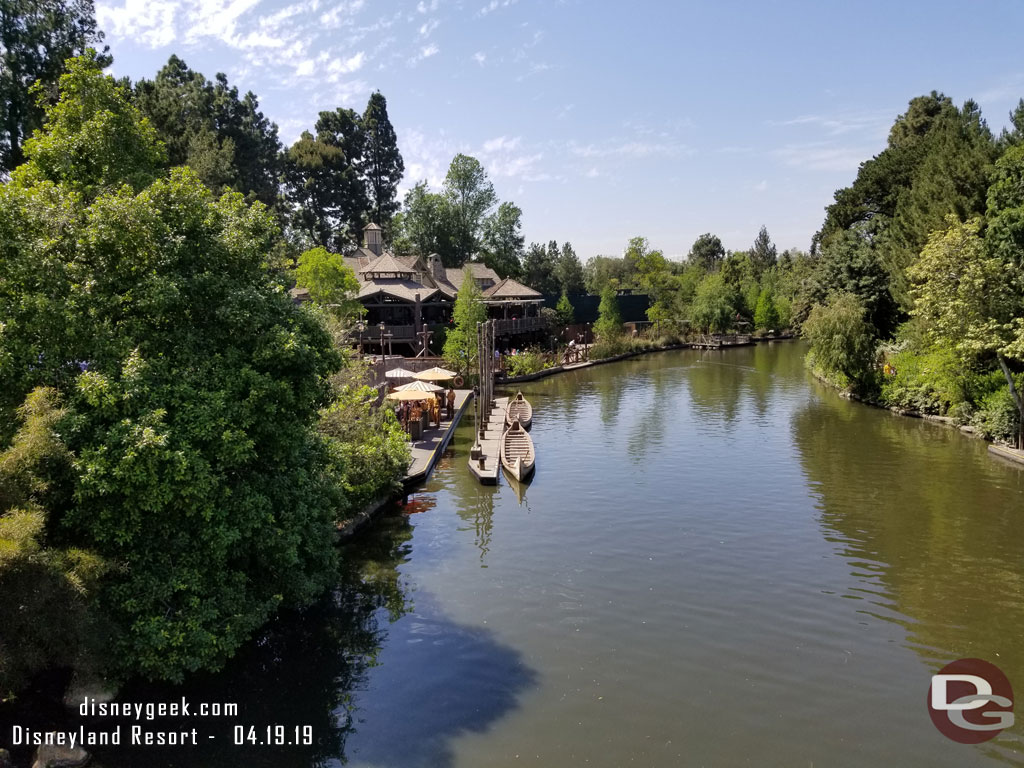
427	450
487	464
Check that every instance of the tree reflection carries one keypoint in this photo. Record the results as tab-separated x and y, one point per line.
930	526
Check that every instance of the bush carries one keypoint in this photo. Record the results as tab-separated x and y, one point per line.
997	418
525	363
928	382
842	341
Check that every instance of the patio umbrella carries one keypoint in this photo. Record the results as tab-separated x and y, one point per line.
422	387
435	374
408	394
399	373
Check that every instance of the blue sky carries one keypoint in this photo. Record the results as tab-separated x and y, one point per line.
606	120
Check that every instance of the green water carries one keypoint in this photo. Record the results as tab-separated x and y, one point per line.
719	562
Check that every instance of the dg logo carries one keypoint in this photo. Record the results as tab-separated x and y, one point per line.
970	701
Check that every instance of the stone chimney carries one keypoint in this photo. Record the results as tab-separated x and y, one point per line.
436	267
371	238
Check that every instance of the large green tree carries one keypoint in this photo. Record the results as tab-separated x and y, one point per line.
471	196
36	37
222	136
539	265
763	253
707	251
192	384
426	225
609	318
382	164
569	270
503	240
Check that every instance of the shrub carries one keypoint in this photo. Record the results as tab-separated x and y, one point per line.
929	382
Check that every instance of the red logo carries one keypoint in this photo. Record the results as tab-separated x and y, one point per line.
970	701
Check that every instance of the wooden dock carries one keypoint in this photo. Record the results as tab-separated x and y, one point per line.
487	465
428	449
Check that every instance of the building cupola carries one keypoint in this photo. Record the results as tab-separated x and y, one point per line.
372	238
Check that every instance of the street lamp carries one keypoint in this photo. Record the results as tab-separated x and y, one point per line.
360	327
382	327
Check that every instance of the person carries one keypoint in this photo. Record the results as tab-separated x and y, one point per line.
451	402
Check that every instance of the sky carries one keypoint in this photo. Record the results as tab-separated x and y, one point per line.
606	120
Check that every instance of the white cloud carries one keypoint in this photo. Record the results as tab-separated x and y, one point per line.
423	7
150	22
494	5
633	149
480	57
429	27
593	173
823	156
501	143
339	67
425	53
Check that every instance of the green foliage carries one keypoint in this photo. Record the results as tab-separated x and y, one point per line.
193	386
369	452
330	282
566	313
527	362
471	196
602	271
503	240
323	181
539	266
426	225
460	348
222	136
609	320
569	271
763	253
46	591
94	140
842	340
766	315
713	304
707	252
930	381
36	37
383	166
997	417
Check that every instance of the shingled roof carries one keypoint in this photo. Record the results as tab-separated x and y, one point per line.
386	264
511	289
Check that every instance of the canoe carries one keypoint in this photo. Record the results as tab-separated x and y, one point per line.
517	454
519	408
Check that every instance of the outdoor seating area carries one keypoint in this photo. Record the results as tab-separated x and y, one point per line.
421	402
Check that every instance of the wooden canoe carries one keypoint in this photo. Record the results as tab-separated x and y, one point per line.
519	408
517	455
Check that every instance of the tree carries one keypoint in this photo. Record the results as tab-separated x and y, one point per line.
713	304
971	296
383	166
842	340
763	252
223	137
707	251
503	240
766	316
324	184
427	225
539	269
609	320
602	271
565	310
36	37
192	383
460	344
471	196
330	282
569	271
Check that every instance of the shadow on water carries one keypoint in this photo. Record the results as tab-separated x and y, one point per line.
330	667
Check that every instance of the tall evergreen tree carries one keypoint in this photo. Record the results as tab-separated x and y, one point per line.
569	270
539	269
36	37
763	253
707	251
382	163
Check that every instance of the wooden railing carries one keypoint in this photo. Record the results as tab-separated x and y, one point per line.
518	325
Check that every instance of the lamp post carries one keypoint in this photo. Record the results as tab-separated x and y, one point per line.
360	327
382	327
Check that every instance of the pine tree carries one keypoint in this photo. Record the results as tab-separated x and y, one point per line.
382	163
565	310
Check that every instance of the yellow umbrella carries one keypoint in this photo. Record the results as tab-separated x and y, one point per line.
435	374
409	394
419	386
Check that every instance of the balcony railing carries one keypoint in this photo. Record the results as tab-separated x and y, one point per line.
518	325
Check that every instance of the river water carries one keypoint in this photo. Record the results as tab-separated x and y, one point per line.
719	562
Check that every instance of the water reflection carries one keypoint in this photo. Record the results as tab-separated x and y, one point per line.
929	525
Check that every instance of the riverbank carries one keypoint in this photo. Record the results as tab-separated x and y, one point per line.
995	448
615	358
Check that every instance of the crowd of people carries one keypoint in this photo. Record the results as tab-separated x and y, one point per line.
410	411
